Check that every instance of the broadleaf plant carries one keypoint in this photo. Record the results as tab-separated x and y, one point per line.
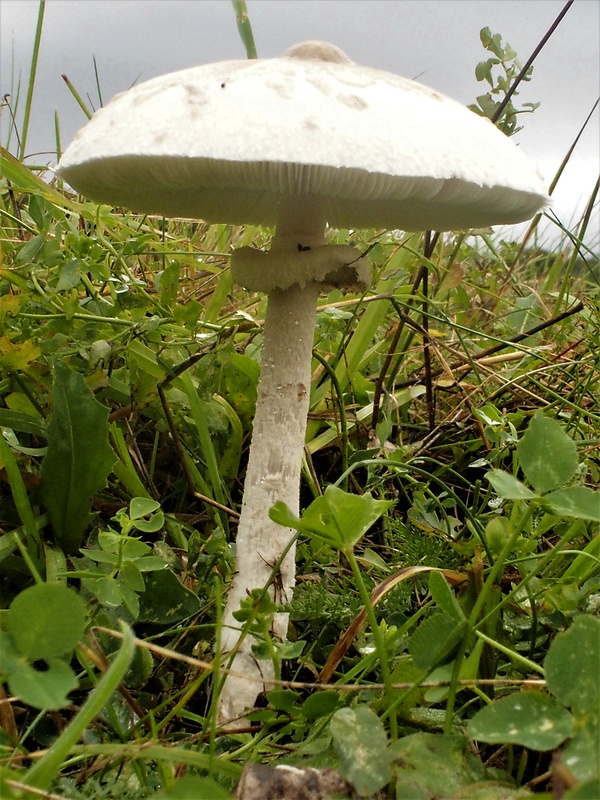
571	714
79	457
499	71
337	518
43	625
548	458
362	746
116	576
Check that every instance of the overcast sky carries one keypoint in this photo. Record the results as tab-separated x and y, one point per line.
433	41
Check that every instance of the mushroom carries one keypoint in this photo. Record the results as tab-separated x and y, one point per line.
299	142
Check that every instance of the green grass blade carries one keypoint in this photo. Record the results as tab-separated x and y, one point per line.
77	97
45	770
124	468
244	27
32	75
206	444
97	79
57	138
32	553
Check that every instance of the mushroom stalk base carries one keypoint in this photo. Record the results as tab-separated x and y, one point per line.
273	474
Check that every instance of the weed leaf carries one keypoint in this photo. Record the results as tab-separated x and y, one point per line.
572	665
283	699
548	456
531	719
361	744
444	598
434	640
430	765
165	599
43	622
46	620
337	518
508	487
320	704
45	689
581	755
574	501
79	457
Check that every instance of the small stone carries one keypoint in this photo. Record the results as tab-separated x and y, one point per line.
259	782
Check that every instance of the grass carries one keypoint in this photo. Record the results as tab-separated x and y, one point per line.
482	573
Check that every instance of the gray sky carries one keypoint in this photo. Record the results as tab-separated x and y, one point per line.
433	41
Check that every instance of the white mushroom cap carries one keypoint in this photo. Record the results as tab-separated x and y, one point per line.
236	140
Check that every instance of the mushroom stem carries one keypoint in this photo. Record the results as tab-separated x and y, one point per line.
273	473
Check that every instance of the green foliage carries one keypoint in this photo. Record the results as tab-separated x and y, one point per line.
544	722
530	718
32	613
422	765
500	72
43	625
361	743
128	379
78	458
43	771
439	766
548	458
337	519
571	666
115	575
244	27
435	639
165	600
191	787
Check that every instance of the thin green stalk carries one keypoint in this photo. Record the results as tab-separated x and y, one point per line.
77	97
585	563
339	399
410	467
190	690
32	74
473	621
97	79
172	755
558	399
512	654
124	468
86	317
213	711
541	564
206	444
32	554
522	766
45	770
57	140
351	355
535	221
564	289
19	223
244	27
377	636
119	259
